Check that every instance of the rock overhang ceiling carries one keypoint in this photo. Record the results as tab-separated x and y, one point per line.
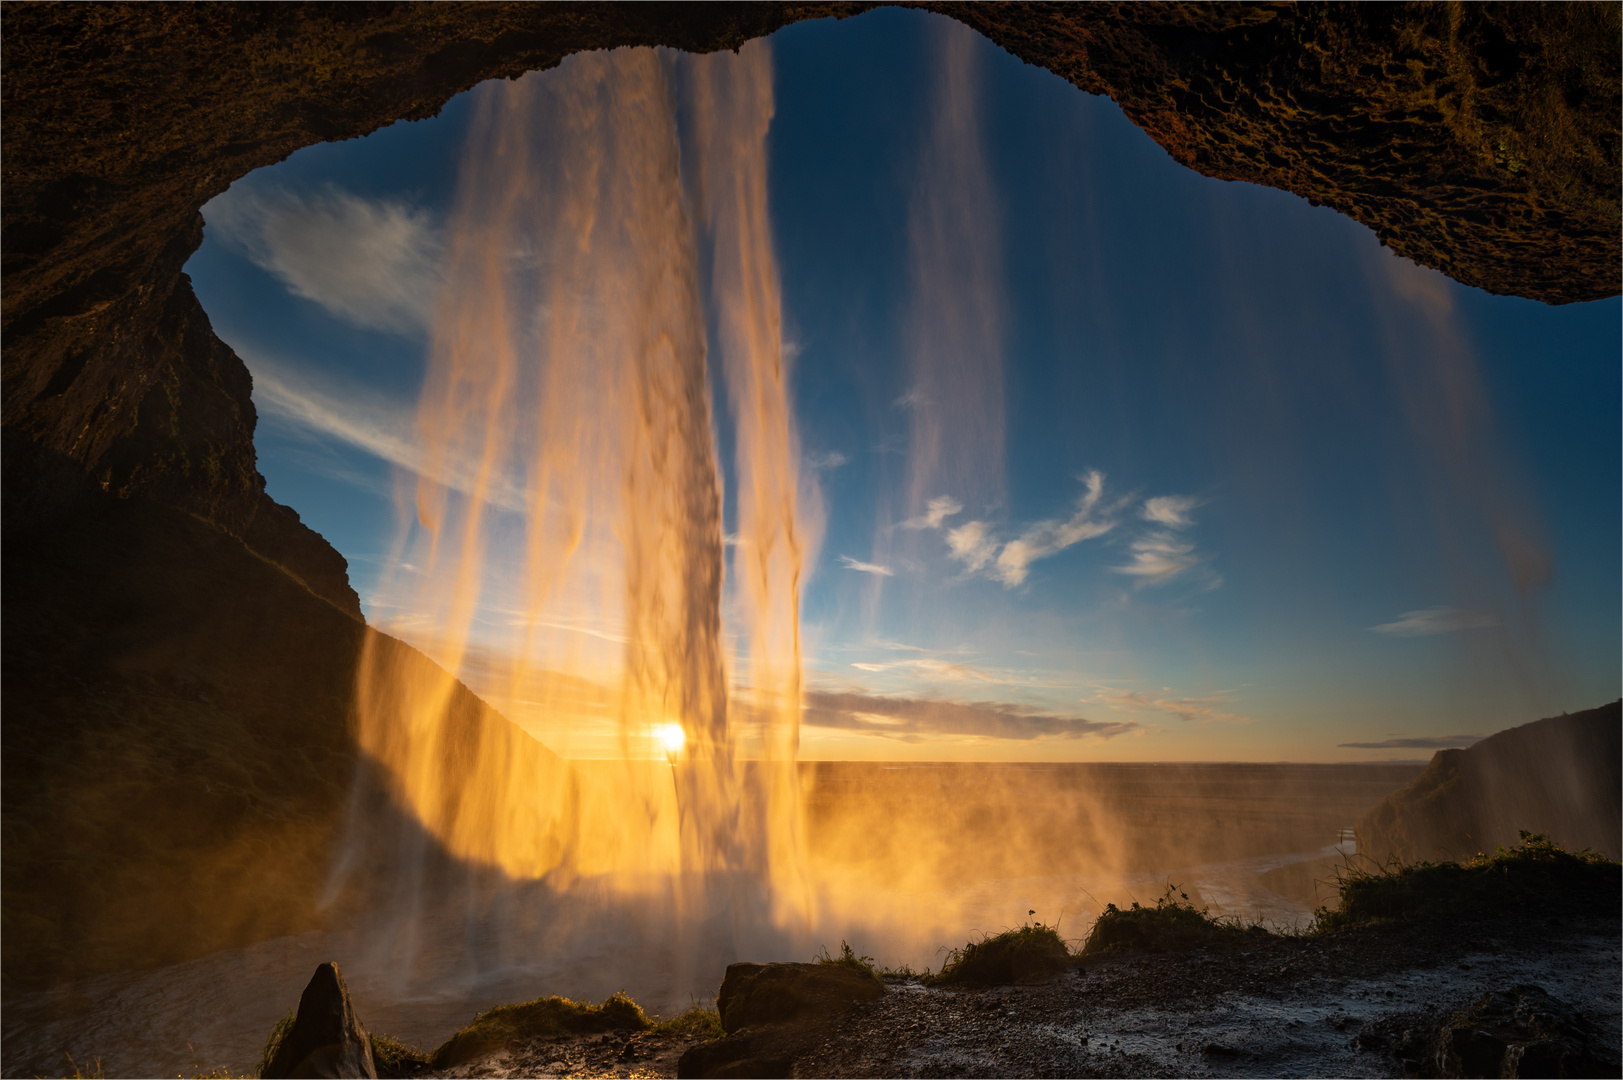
1482	140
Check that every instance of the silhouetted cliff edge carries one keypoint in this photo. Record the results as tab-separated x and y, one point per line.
1562	776
179	758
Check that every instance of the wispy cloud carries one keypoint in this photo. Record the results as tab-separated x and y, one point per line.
945	669
974	544
1437	620
1160	554
826	462
1050	537
1211	707
384	428
936	511
1159	557
1170	510
371	262
916	719
1418	742
865	567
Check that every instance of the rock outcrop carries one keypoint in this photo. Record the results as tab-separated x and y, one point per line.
1562	777
1520	1031
774	1013
326	1038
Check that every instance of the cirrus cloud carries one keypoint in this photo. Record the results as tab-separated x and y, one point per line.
865	567
1437	620
914	720
372	262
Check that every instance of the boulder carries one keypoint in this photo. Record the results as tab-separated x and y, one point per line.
326	1038
756	994
1520	1032
773	1014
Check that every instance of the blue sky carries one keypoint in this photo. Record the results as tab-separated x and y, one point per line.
1118	462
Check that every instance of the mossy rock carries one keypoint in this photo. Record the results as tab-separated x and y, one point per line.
509	1025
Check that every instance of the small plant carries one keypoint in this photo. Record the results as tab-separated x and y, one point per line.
1172	925
849	958
696	1019
95	1071
1033	951
274	1043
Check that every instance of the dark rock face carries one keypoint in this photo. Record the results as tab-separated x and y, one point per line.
326	1038
178	757
753	995
773	1014
1481	139
1560	776
276	533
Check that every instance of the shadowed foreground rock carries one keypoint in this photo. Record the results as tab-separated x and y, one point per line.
1520	1031
775	1013
327	1038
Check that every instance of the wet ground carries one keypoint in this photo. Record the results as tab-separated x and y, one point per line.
422	982
1286	1008
1282	1007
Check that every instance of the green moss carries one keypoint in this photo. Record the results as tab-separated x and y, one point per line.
1172	925
542	1018
1534	876
1031	951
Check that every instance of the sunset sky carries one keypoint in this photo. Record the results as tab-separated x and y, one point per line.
1114	461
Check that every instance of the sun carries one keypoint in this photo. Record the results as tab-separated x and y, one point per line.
672	737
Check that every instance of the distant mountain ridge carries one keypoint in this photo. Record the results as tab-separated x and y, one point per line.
1562	776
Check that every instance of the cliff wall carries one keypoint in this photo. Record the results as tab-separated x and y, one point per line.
179	764
1562	776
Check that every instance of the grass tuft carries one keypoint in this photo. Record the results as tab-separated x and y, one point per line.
542	1018
394	1058
849	958
1032	951
1535	875
274	1043
696	1019
1172	925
